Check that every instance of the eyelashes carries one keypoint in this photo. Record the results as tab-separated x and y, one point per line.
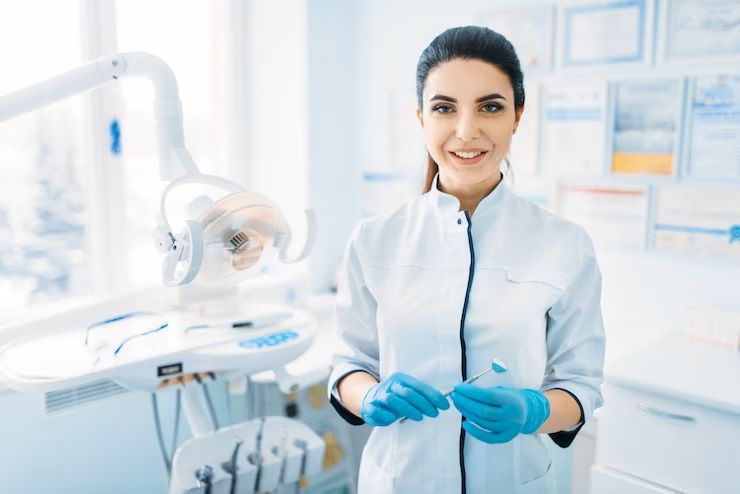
486	108
493	107
442	109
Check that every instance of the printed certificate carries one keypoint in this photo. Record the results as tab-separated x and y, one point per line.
573	128
598	33
714	133
646	126
700	30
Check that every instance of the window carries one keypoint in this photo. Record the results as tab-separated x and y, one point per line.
43	206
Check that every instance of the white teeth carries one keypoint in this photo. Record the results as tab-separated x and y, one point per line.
467	154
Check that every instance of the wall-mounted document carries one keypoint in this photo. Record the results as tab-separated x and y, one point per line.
714	151
616	217
646	125
702	220
700	30
573	128
524	152
530	30
611	32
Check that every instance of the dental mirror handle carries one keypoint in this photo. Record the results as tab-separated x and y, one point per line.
497	365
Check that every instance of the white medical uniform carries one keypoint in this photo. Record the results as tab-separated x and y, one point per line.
428	292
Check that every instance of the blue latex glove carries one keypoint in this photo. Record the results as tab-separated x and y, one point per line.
498	414
400	395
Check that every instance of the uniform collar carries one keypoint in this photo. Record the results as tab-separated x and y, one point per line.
449	204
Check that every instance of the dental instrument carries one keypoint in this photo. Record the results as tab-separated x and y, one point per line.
204	476
252	323
497	365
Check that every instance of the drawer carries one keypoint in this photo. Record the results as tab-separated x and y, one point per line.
607	481
669	442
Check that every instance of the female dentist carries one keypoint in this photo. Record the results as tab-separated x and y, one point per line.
464	273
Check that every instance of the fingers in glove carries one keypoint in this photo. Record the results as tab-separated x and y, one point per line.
489	436
401	407
417	400
376	414
491	396
467	407
431	394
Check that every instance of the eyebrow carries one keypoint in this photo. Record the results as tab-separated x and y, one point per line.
479	100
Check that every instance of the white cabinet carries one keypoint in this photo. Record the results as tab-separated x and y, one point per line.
671	420
607	481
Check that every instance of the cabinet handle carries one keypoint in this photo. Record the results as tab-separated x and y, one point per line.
668	415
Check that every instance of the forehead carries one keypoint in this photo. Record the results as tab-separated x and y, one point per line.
467	80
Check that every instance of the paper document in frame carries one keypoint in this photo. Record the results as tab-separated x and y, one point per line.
703	220
646	124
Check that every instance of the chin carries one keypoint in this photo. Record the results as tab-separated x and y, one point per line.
473	174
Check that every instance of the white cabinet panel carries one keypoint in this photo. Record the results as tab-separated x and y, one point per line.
607	481
670	442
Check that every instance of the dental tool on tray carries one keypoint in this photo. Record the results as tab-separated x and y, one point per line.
260	455
251	323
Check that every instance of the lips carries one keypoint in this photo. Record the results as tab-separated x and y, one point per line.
467	156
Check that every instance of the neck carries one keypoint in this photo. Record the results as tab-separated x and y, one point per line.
469	196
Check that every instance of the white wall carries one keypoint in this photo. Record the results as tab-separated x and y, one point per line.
332	116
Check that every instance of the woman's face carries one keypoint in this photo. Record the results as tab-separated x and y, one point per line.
468	118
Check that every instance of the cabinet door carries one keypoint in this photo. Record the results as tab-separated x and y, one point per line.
607	481
669	442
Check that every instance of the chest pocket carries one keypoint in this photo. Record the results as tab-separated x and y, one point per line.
552	279
535	290
514	303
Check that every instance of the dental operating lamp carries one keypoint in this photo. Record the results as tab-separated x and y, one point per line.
227	240
233	237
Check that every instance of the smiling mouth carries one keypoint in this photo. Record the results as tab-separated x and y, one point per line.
468	157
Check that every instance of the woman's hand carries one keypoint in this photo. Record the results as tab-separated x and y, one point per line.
498	414
400	395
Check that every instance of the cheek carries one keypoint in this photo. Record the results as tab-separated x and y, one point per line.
435	136
501	136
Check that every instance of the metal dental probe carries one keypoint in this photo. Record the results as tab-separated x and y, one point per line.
497	365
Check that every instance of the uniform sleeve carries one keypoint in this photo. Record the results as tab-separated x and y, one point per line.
357	333
575	339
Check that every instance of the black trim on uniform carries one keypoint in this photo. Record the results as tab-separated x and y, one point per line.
464	363
565	438
343	412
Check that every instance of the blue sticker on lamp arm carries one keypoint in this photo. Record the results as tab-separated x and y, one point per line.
734	232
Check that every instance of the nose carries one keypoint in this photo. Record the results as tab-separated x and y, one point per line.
467	127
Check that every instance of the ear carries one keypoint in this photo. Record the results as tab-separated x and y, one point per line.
420	117
517	117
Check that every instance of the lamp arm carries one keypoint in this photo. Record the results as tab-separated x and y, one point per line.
174	160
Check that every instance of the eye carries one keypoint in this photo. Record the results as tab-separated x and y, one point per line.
442	109
490	108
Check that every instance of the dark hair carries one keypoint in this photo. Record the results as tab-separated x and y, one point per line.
468	43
